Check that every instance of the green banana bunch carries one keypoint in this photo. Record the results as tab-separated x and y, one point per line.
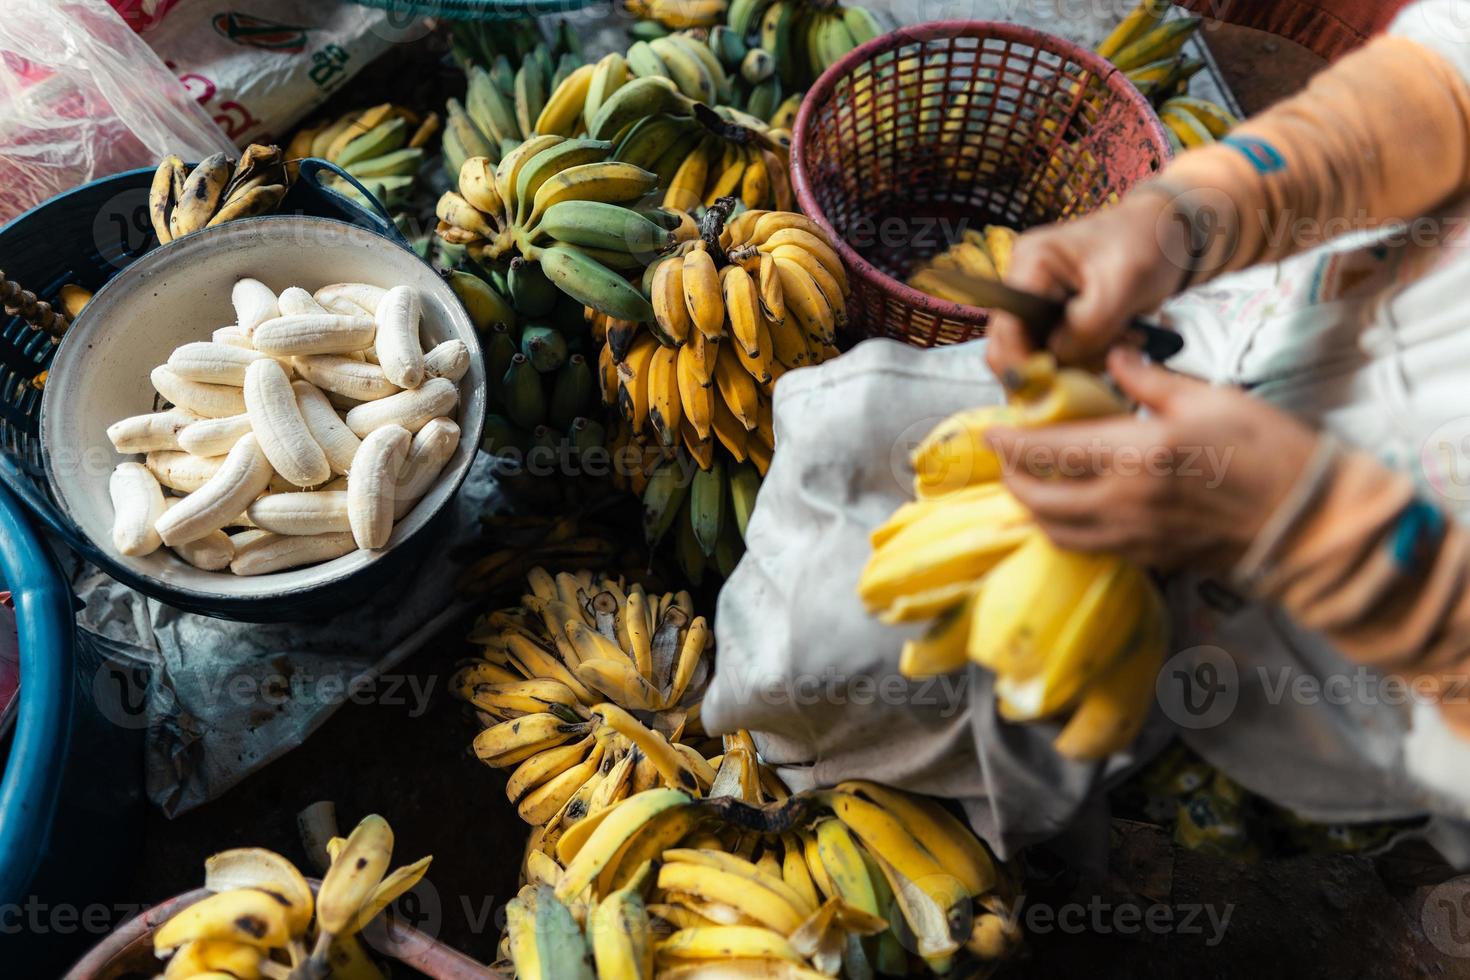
383	146
537	346
800	39
565	206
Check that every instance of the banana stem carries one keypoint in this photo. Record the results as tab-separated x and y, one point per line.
735	132
23	303
713	223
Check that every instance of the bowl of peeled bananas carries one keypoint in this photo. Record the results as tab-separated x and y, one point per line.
262	419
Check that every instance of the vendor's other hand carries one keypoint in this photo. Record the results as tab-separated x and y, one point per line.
1109	266
1190	485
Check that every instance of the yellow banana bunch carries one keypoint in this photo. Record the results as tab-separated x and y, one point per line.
383	146
753	881
559	680
985	254
218	189
262	919
1148	45
1066	634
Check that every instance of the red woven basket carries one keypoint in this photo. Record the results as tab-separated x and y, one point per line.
927	130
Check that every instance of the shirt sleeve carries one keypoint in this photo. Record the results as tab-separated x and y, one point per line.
1381	136
1382	573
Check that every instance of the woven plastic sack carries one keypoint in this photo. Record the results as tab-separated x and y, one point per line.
82	96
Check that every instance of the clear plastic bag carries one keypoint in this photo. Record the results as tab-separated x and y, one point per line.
82	96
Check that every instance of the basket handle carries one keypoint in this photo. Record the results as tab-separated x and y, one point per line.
310	171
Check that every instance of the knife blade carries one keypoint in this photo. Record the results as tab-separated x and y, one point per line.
1042	315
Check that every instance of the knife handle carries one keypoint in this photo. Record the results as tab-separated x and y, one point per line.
1158	343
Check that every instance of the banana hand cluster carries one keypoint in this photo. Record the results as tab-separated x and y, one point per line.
262	919
721	153
310	425
1148	46
566	206
802	38
558	681
1066	634
755	882
542	391
985	254
529	88
217	190
705	514
382	146
722	331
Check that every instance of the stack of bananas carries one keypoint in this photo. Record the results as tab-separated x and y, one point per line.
566	207
557	683
802	38
721	153
263	921
1148	46
985	254
542	392
1065	633
382	146
679	14
181	201
851	881
506	103
732	312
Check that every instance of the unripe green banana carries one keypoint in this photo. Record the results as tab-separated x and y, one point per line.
605	226
530	93
530	290
544	347
862	23
610	75
707	506
745	483
640	97
545	437
647	30
489	109
500	434
644	62
587	434
550	162
728	45
399	163
593	284
500	348
503	74
765	96
687	549
572	391
663	501
525	401
728	549
485	306
383	138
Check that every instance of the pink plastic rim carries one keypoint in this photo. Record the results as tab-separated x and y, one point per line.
1125	126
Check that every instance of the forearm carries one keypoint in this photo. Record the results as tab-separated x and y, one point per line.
1383	574
1381	136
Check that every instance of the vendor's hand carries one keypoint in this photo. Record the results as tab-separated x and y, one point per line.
1110	266
1190	485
